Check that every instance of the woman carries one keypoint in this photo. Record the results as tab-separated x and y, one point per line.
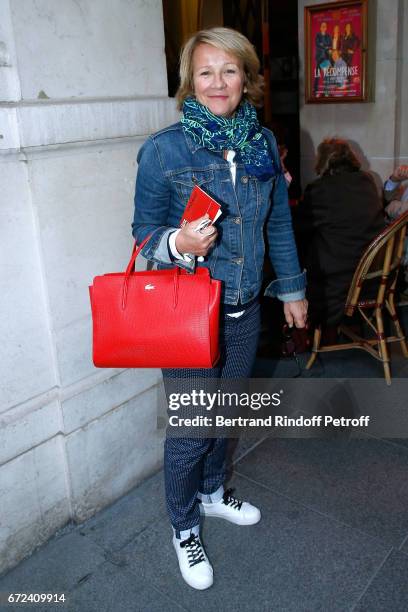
336	39
220	146
340	214
349	44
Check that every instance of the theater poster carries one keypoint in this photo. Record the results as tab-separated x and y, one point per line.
336	52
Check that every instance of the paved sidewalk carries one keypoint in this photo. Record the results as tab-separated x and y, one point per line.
333	536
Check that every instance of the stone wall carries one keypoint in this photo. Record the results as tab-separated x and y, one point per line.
82	84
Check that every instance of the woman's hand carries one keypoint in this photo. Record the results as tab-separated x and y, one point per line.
196	243
295	313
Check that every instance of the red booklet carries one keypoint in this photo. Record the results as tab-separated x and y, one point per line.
198	205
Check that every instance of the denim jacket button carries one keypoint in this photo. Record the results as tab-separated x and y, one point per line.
237	220
239	260
244	179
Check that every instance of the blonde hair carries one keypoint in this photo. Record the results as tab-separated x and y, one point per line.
232	42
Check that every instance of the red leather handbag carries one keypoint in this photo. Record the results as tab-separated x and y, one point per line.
156	318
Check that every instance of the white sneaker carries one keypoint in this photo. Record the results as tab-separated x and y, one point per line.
193	562
232	509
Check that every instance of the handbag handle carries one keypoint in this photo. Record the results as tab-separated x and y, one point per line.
135	252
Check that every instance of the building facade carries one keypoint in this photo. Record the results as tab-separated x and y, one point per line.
82	84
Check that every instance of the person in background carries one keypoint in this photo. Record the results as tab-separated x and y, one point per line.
220	146
396	192
396	198
283	153
340	214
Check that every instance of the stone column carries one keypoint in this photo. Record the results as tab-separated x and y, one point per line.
82	84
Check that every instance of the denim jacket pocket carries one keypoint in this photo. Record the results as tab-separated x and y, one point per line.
186	179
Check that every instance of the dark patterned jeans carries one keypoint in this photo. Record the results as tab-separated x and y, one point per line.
193	465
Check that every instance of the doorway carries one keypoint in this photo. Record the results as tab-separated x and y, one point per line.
272	27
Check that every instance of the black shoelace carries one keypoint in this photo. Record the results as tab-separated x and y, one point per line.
195	553
230	500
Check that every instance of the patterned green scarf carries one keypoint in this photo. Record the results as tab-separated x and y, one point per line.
241	133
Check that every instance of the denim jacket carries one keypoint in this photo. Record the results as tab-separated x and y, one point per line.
170	163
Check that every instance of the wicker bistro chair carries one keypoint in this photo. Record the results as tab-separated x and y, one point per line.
378	268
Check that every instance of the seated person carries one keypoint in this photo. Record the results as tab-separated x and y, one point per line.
396	197
340	214
396	193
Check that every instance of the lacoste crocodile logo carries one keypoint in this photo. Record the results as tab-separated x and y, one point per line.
149	287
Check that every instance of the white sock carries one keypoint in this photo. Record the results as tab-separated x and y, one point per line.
213	498
185	533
